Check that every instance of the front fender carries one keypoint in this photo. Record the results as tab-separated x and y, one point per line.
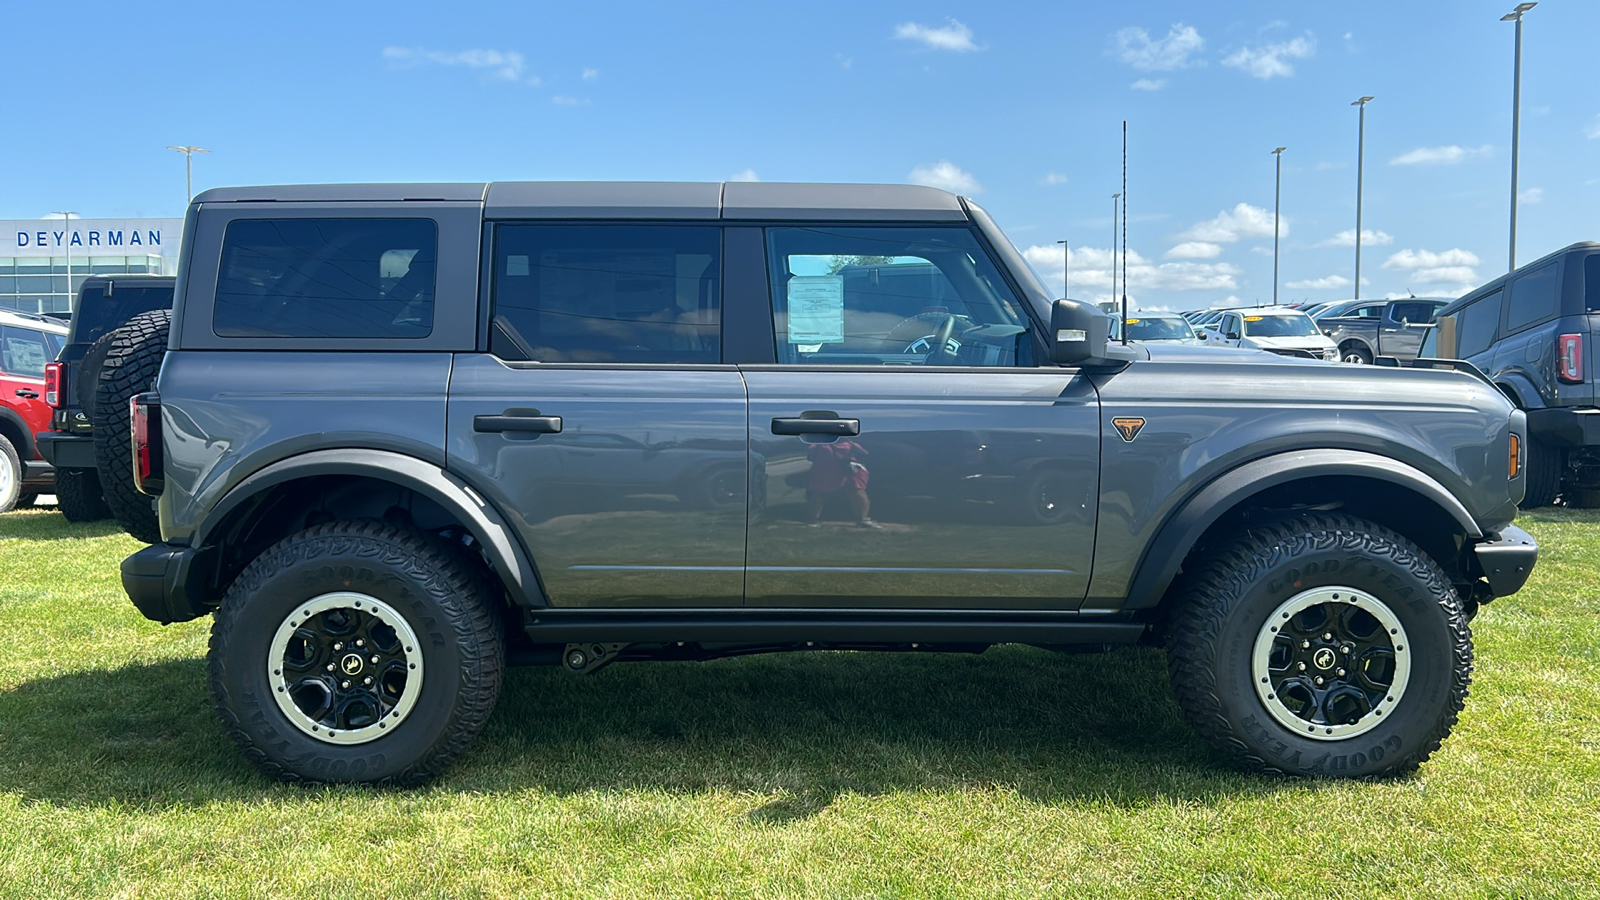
505	552
1178	534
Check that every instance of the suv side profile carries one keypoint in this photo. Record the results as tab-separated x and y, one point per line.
407	435
1533	332
27	343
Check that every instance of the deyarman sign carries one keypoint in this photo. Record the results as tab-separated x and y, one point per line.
89	237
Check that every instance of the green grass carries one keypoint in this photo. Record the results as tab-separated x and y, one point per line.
1018	772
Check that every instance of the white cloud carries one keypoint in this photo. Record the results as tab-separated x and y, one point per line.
1424	259
561	100
506	65
1091	270
1369	238
1430	156
1271	61
1195	250
1320	284
1053	178
1243	221
844	62
748	174
1593	131
1134	47
945	175
591	74
954	36
1531	195
1149	84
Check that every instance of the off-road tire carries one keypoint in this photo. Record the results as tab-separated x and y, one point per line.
131	363
444	597
1545	462
10	475
78	495
87	378
1225	603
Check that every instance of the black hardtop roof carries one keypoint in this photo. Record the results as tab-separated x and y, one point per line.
734	200
141	277
1582	246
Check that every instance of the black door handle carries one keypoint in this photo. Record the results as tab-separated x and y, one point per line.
527	424
835	427
28	395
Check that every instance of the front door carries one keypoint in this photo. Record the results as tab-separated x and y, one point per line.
602	422
909	457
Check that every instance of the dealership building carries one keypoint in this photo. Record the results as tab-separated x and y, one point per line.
35	255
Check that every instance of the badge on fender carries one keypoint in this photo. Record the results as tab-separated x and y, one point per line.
1128	426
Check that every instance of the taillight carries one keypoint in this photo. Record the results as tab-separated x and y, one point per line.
1569	358
144	412
1515	467
52	385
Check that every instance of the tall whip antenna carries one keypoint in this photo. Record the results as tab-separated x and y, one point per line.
1124	232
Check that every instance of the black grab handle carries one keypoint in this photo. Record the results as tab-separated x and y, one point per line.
527	424
835	427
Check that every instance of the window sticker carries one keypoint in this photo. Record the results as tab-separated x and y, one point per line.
816	309
1253	318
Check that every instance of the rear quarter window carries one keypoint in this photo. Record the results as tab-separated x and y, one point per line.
327	278
1591	282
1475	325
1535	297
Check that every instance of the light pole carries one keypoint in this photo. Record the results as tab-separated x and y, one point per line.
1516	117
1361	149
1277	197
66	227
1066	263
1114	198
188	167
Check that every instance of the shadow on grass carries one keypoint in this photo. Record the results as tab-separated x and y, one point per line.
806	727
44	523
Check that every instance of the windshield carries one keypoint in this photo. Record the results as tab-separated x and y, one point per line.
1296	325
1159	328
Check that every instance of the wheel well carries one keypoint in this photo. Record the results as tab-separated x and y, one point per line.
1385	503
20	439
283	509
1357	343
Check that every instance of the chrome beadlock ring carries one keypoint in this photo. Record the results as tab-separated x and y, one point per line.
345	668
1331	662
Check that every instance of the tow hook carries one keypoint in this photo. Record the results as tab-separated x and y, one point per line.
581	659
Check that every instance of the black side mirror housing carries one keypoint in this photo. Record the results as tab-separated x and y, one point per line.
1232	335
1080	336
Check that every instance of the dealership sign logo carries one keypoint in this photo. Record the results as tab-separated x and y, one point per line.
109	237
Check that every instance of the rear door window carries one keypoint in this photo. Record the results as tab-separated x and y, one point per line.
24	351
1591	282
608	293
327	278
1415	313
1534	298
1475	325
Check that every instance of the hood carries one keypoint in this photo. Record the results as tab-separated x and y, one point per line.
1306	342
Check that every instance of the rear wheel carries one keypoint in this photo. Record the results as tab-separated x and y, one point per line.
377	645
1324	645
1545	461
131	363
78	495
10	475
1355	354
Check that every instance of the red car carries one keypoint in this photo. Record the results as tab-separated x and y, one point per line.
27	342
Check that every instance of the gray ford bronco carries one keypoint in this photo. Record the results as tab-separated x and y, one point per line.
405	436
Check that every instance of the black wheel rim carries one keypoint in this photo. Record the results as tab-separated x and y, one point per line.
1331	662
345	668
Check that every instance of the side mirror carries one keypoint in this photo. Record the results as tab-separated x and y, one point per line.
1078	333
1232	335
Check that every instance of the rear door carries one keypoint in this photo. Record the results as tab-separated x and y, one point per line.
910	452
601	419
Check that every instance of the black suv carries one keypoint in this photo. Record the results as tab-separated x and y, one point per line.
1533	331
405	435
115	316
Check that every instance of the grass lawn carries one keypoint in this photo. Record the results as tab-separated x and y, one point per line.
1016	773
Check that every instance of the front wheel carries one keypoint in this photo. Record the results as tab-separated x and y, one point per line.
1321	645
356	652
1355	355
10	475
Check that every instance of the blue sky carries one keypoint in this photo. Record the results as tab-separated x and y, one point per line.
1019	105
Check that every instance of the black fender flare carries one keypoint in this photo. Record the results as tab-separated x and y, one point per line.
1519	388
26	449
501	545
1178	534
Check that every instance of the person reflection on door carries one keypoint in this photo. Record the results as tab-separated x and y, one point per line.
836	469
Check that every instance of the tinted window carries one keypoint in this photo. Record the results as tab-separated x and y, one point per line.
882	296
1591	282
1534	298
1419	313
23	351
98	313
1159	328
1475	325
327	278
608	293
